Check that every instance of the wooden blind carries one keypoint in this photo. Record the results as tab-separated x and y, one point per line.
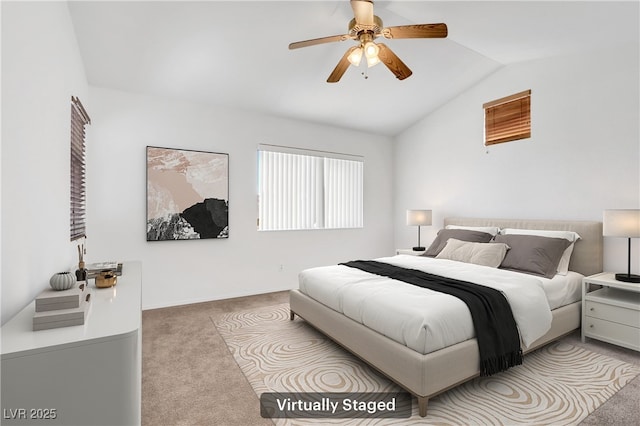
79	119
507	119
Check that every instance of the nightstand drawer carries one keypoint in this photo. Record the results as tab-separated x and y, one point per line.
607	331
616	314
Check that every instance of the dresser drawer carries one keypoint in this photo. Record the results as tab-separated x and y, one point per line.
612	332
617	314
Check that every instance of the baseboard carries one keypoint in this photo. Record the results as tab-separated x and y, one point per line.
183	302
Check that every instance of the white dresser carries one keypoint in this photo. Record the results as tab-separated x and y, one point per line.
80	375
611	313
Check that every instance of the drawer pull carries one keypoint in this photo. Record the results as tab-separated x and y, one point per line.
591	326
591	309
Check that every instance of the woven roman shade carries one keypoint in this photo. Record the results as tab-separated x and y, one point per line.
507	119
79	119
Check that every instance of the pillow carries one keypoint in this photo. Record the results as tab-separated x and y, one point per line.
486	254
567	235
460	234
533	254
493	230
563	266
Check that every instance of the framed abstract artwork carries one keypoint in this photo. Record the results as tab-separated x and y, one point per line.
187	194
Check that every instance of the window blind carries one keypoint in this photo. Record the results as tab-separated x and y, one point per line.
79	119
308	190
508	119
343	193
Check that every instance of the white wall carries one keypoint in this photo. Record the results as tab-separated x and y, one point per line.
583	156
180	272
41	70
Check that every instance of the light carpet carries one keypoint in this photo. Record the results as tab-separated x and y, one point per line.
557	385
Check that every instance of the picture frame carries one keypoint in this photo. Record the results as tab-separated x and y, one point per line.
187	194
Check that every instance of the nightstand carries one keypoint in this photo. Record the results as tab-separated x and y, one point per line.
410	252
611	313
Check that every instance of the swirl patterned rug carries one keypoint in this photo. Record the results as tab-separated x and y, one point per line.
557	385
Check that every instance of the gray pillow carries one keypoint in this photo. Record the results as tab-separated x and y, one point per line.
459	234
533	254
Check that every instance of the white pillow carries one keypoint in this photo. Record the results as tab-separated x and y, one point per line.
493	230
567	235
563	266
486	254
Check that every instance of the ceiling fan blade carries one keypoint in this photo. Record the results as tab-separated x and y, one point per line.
416	31
342	66
392	62
321	40
363	11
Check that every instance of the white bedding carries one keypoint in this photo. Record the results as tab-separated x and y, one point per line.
425	320
563	289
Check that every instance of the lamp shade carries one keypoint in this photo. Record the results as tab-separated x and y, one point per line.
355	57
621	223
418	217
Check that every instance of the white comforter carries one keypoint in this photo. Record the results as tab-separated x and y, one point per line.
421	319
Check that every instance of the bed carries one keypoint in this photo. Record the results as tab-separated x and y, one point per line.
428	371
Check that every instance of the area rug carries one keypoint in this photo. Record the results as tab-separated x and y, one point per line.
557	385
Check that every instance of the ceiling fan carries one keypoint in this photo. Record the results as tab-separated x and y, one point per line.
365	27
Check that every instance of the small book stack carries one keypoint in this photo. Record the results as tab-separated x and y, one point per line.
64	308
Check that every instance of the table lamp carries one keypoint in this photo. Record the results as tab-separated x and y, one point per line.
418	218
623	223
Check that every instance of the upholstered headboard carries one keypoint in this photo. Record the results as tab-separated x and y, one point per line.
587	253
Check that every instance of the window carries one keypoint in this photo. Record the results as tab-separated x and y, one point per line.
303	189
79	119
507	119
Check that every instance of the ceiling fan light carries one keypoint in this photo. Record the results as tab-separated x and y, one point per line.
355	57
371	61
371	50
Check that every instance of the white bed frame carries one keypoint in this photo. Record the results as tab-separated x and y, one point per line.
427	375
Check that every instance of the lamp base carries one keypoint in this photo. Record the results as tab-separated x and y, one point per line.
419	249
628	278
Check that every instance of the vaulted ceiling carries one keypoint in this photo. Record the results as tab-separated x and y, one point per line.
235	53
